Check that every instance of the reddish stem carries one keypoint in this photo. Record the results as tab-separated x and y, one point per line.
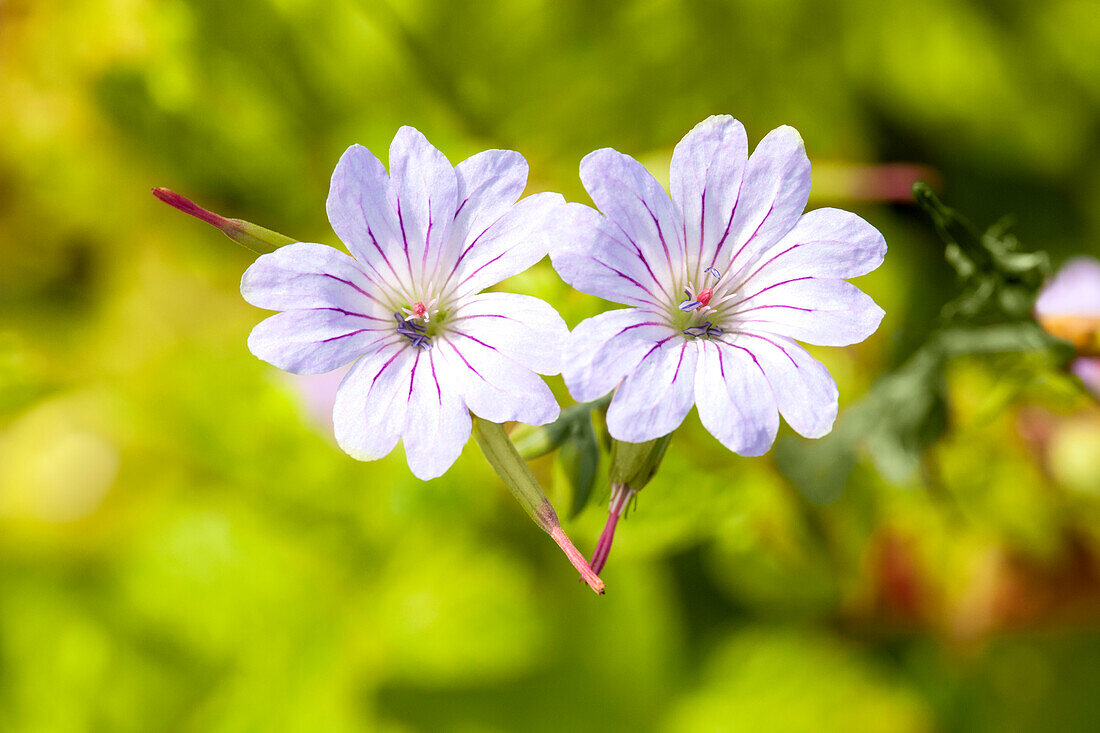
575	557
620	497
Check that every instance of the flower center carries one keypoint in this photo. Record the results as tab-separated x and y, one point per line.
698	304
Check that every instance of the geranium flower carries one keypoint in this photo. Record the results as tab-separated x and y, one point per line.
1069	308
723	279
407	306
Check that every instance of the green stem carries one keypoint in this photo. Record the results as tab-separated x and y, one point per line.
506	461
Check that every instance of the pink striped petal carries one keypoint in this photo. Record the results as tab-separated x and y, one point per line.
706	172
635	202
424	193
524	329
437	424
773	196
603	349
657	395
316	341
735	400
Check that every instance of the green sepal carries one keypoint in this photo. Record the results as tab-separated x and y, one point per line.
513	471
634	464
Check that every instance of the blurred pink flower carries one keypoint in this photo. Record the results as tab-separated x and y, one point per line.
1069	308
317	393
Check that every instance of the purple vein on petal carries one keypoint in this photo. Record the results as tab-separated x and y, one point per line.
347	313
762	338
475	340
626	277
637	253
438	390
412	376
461	206
350	283
729	223
404	236
464	361
770	287
680	362
753	236
385	367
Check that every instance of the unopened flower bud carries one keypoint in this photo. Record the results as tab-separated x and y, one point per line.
250	236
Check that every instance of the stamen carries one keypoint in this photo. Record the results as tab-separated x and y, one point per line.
704	330
413	331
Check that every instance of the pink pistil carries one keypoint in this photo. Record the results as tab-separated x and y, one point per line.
588	575
419	309
620	497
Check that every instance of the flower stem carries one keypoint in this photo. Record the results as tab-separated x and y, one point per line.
621	494
506	461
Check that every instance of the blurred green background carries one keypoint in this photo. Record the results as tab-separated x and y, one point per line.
182	547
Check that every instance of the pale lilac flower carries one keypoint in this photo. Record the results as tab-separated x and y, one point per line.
721	279
317	395
429	347
1069	307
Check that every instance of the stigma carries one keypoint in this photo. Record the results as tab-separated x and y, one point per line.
700	301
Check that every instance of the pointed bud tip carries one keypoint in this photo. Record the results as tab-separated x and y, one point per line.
187	206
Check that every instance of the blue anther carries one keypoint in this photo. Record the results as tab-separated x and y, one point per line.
413	331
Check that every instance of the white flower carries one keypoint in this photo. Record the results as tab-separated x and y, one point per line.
722	279
425	241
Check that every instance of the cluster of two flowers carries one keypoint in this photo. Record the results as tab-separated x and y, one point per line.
430	346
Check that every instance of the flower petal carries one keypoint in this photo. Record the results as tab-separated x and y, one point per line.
306	275
634	201
657	395
773	195
437	424
822	312
493	386
735	400
372	401
362	216
1088	371
603	349
1074	291
525	329
706	171
513	244
593	255
316	341
424	193
825	243
803	388
488	184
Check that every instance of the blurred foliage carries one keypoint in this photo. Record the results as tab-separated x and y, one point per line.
905	412
182	547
